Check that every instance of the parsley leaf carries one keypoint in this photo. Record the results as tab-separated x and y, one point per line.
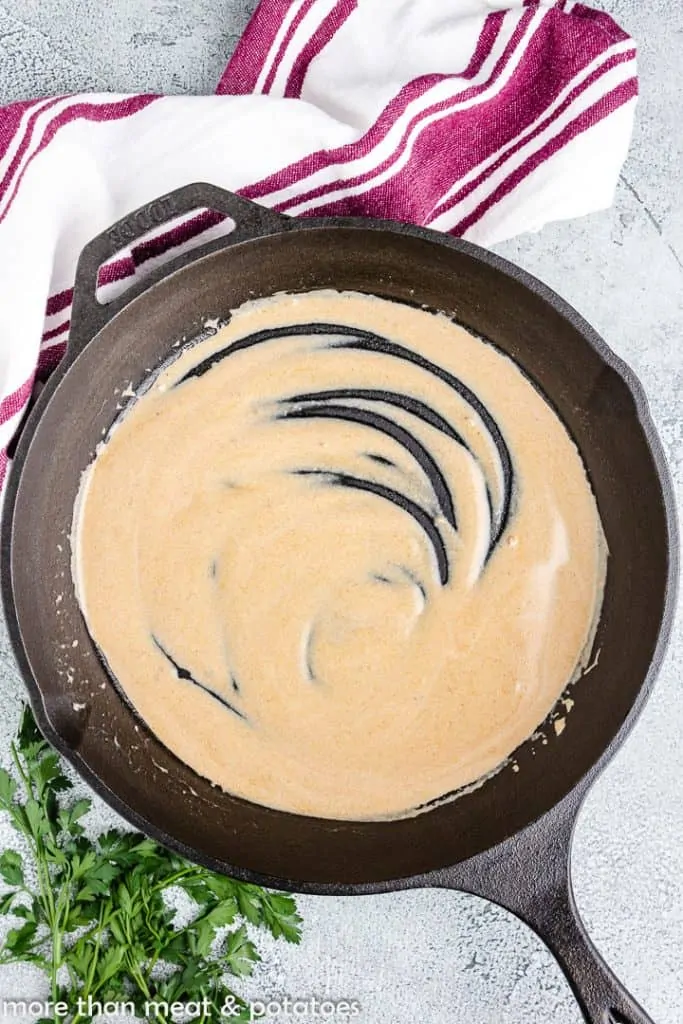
240	953
11	868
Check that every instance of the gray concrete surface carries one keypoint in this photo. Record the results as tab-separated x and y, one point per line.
439	957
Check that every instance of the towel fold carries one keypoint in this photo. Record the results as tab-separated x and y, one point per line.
479	118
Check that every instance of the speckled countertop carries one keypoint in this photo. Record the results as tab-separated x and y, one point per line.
430	956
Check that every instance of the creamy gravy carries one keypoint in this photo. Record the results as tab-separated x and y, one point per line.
342	557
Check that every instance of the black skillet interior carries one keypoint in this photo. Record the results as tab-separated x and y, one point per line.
76	702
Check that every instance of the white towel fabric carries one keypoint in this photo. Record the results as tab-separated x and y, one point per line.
482	118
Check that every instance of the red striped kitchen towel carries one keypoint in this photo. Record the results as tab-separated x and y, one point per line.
483	118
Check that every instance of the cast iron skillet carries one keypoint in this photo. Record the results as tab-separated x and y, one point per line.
507	841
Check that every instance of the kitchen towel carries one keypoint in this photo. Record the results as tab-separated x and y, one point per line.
482	118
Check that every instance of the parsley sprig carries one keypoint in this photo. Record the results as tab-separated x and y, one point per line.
93	914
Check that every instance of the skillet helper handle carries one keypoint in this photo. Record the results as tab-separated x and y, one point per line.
530	876
89	315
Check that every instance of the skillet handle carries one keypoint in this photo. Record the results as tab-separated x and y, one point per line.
530	875
89	315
